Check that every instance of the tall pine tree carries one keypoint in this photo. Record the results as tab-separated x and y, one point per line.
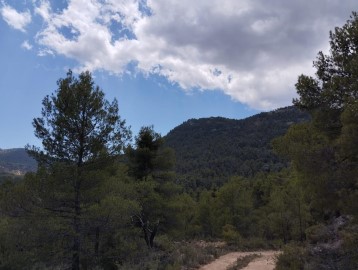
81	134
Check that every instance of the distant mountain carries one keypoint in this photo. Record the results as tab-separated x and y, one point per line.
16	161
209	150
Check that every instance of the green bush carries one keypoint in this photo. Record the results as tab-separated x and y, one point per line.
292	258
231	235
254	243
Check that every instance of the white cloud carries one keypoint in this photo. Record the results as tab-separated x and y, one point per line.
251	50
43	9
17	20
26	45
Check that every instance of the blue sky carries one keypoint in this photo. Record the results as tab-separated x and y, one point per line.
165	60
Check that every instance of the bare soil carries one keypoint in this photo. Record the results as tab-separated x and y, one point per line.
266	261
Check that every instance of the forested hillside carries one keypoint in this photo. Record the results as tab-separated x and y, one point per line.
100	201
209	150
15	162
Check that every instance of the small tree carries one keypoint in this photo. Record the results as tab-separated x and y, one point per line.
80	133
152	166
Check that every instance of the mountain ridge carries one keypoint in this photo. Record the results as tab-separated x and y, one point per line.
210	150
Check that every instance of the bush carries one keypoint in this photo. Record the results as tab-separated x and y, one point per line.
255	243
231	235
292	258
318	233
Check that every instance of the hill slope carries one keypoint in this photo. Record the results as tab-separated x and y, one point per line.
15	162
209	150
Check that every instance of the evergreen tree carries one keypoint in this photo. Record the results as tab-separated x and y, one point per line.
334	87
324	152
152	166
81	134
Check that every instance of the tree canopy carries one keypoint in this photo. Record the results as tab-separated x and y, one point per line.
323	151
78	124
335	86
81	133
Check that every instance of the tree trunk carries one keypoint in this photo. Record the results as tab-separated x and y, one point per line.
145	233
148	234
96	245
152	235
283	229
76	226
300	220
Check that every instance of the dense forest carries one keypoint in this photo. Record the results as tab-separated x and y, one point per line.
211	150
100	200
208	151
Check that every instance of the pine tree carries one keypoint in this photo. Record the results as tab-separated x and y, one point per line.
81	134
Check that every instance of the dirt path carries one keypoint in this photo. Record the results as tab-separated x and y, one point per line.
266	261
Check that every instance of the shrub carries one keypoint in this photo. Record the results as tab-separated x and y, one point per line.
292	258
231	235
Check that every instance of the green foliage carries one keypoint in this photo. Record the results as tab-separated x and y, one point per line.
151	165
292	258
183	209
208	215
150	157
231	235
94	199
211	150
68	210
288	211
235	202
77	124
314	160
324	152
335	84
255	213
324	155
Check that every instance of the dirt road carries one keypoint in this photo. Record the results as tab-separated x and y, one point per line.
266	261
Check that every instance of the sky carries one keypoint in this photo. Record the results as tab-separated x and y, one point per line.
165	61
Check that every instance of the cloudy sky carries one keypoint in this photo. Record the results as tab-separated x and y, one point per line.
164	60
